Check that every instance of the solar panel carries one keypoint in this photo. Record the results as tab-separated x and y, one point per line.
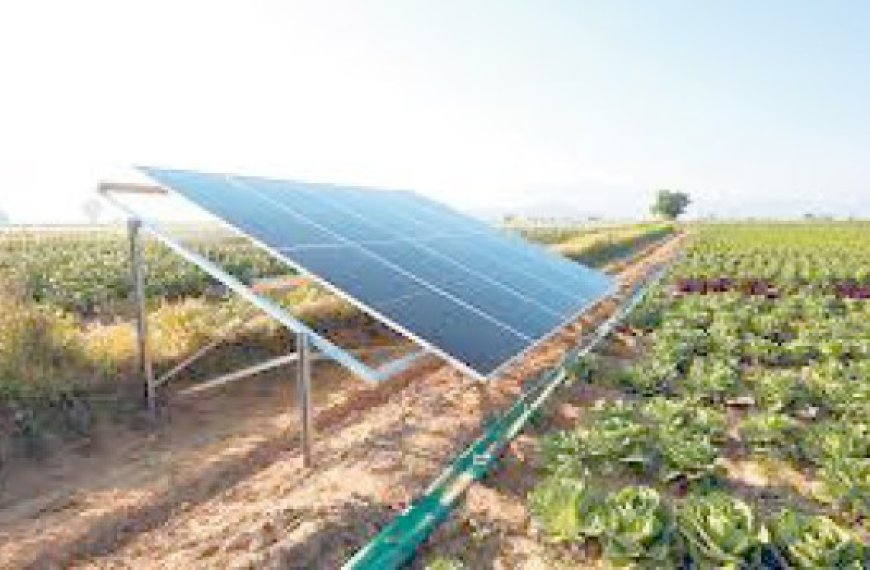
474	294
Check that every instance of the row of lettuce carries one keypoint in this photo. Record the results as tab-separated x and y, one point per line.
646	483
88	272
635	526
741	436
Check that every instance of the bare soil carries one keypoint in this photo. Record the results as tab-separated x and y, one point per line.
220	483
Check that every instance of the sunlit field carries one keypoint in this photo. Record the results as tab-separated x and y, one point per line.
66	310
737	434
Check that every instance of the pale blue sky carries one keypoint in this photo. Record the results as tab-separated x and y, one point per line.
576	108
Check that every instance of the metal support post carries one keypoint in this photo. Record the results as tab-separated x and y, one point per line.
145	366
303	386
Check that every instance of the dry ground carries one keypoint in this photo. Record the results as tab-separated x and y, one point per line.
221	484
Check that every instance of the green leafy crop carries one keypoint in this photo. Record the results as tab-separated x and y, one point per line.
807	542
832	440
637	527
779	391
613	435
845	483
769	433
565	509
720	531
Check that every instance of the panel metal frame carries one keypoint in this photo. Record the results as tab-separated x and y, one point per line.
306	338
359	368
342	357
325	347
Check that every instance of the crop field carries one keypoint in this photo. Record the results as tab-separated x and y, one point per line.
725	425
65	314
597	246
87	272
737	434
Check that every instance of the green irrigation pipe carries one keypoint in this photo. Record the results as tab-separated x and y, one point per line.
398	541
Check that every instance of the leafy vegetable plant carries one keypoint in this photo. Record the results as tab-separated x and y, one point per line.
637	527
721	531
769	433
845	483
615	435
565	509
712	380
830	440
807	542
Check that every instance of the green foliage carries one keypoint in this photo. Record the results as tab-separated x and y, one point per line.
780	391
686	438
831	440
40	350
841	390
807	542
565	509
670	204
769	433
673	439
561	453
845	484
597	245
637	528
583	368
712	380
88	272
651	377
647	317
720	531
600	252
773	339
686	455
686	415
614	436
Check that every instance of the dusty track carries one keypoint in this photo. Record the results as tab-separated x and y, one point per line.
222	483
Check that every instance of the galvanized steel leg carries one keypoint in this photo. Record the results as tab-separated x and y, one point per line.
303	386
145	367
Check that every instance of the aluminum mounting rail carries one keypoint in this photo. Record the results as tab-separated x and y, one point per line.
272	309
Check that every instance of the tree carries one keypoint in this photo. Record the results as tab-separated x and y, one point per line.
670	204
93	208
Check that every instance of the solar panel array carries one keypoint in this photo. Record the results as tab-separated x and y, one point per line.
475	294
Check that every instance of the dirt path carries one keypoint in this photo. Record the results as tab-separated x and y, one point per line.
222	483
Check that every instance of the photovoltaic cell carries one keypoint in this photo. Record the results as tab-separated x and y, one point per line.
469	291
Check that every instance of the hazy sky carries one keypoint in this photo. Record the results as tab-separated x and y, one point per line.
554	107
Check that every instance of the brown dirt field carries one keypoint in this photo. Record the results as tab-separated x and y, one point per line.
220	483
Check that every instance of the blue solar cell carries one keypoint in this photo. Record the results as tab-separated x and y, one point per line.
471	292
399	298
466	336
312	206
218	195
510	271
428	218
357	273
491	297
